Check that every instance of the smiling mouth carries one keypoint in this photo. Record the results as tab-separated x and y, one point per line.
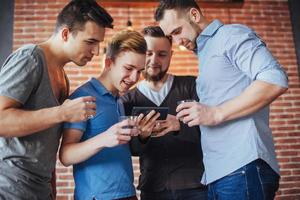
129	84
88	58
154	67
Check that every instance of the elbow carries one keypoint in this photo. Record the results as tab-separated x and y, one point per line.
64	161
283	90
279	91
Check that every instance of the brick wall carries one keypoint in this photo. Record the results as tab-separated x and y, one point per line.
34	21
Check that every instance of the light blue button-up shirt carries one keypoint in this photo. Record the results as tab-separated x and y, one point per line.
231	57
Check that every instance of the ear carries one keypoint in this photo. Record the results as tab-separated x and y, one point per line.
171	53
194	15
108	63
65	34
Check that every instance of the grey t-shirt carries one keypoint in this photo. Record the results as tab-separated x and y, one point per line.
26	163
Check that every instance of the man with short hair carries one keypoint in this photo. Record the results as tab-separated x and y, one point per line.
98	148
33	89
238	79
170	156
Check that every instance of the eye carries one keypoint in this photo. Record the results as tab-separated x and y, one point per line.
177	31
90	42
162	54
149	53
127	68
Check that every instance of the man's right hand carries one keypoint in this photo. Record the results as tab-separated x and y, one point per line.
117	134
79	109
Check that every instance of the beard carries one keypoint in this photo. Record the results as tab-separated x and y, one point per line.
197	31
156	77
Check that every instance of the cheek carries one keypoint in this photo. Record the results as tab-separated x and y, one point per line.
148	61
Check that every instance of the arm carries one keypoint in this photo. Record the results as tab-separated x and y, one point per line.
72	151
248	54
19	122
255	97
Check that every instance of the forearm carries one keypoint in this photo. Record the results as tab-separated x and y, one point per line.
255	97
17	123
74	153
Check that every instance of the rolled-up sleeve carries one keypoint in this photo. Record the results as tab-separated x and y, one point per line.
249	53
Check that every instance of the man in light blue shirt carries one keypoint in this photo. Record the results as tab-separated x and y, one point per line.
237	81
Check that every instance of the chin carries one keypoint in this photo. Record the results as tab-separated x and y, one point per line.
80	63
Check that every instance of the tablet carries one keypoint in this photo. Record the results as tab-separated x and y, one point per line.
145	110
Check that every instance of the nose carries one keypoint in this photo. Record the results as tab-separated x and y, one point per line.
177	40
95	50
134	77
153	59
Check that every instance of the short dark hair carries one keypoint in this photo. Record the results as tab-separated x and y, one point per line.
173	4
126	40
155	31
76	13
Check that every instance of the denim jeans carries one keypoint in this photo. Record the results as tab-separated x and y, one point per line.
185	194
255	181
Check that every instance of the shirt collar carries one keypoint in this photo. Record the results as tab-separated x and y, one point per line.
209	31
212	28
101	90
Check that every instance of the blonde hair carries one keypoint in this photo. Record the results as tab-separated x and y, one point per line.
126	41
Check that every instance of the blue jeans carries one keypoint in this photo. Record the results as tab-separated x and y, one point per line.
255	181
185	194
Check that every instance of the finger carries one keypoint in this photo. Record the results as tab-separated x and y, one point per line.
149	120
135	132
153	119
149	116
88	99
187	119
91	112
125	124
90	115
151	123
140	117
182	114
160	133
123	142
161	121
193	123
90	105
124	137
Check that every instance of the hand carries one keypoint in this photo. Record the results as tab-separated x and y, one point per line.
195	113
117	134
162	127
147	123
79	109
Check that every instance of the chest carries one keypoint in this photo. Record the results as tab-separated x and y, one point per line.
219	78
59	84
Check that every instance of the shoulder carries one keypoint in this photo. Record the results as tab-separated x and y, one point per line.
26	58
184	79
84	90
130	95
238	33
29	51
235	29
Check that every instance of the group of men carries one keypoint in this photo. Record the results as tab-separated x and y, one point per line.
217	147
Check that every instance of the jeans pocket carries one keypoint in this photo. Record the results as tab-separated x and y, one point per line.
231	187
269	181
267	174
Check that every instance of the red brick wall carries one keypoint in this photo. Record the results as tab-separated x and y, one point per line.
34	22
